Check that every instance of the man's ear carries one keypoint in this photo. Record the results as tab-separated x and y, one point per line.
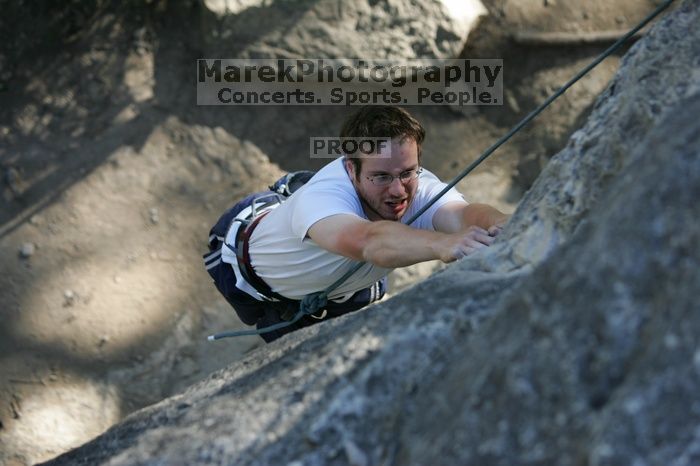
350	168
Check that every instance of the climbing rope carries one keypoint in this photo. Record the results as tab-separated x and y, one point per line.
314	302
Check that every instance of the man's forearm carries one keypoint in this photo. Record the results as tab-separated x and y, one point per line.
482	215
392	244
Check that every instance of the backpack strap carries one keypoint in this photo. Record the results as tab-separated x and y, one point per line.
289	183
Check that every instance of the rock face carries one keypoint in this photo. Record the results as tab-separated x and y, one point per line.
341	29
572	341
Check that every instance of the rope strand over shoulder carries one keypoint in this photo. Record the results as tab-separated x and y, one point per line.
316	301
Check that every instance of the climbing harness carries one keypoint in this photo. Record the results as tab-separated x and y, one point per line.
313	302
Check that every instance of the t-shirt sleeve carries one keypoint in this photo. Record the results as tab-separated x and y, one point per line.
430	186
317	203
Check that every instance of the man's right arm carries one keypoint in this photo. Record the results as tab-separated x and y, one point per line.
392	244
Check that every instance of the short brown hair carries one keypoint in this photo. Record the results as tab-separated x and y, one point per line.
382	121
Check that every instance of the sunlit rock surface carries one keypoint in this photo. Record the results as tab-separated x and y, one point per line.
341	29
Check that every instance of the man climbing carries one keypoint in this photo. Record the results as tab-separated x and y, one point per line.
351	211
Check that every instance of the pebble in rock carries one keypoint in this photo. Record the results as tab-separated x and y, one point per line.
69	297
27	250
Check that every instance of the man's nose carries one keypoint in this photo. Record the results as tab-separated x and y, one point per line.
396	187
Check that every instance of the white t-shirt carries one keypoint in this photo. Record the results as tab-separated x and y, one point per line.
294	265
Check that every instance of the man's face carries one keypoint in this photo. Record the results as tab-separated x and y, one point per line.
388	202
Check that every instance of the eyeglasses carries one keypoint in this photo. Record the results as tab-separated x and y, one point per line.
385	179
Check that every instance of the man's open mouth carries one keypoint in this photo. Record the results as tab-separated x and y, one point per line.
397	205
